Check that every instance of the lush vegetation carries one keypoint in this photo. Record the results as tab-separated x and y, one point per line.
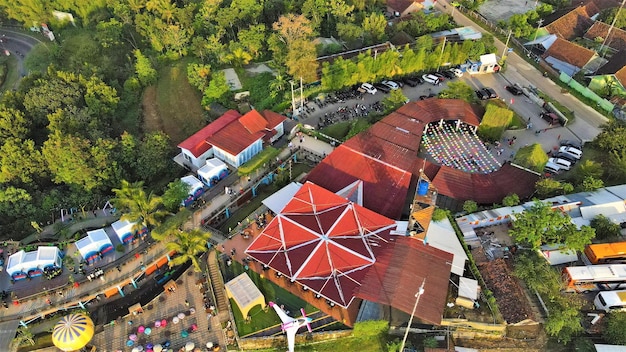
532	157
495	121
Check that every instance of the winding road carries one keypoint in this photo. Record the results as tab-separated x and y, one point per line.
19	43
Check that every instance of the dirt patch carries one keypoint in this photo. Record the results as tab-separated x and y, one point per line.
151	120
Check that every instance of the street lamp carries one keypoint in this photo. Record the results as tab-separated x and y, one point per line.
417	300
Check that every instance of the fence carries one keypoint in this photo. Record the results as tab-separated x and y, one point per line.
585	91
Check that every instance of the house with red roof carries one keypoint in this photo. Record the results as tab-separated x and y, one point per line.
402	8
232	138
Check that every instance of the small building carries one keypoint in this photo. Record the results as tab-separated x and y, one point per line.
245	293
610	76
196	189
232	138
488	63
459	34
402	8
31	264
126	230
94	246
212	172
565	56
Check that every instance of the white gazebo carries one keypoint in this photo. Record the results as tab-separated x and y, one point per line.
212	172
124	230
94	246
196	189
30	264
245	293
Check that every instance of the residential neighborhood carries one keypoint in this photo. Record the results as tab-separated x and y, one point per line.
313	175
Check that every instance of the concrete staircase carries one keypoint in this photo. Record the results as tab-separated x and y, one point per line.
218	287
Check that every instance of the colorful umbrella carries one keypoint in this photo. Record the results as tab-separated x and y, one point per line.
72	332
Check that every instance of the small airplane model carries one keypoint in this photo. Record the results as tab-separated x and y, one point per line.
291	325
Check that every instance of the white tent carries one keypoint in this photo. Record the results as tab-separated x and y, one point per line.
124	230
556	254
23	264
441	235
212	172
196	188
277	201
245	293
94	245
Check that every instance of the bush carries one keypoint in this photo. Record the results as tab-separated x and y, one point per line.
495	121
532	157
469	206
120	248
614	331
440	214
258	160
605	228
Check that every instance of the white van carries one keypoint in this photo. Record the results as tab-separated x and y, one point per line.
552	168
562	163
610	301
571	151
431	79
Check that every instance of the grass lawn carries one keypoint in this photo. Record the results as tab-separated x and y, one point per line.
11	75
261	319
350	343
262	193
173	105
337	130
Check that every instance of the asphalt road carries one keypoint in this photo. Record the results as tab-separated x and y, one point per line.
19	44
587	122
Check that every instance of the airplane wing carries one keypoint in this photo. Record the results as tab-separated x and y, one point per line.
291	337
283	316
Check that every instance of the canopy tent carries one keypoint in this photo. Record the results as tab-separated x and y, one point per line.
125	230
95	245
323	241
72	332
243	291
212	172
277	201
30	264
196	189
441	235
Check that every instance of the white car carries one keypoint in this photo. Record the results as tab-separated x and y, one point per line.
575	153
561	163
457	72
431	79
391	84
368	88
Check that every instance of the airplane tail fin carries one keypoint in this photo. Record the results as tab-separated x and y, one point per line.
308	320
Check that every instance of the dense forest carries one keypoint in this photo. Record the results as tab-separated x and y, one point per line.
73	130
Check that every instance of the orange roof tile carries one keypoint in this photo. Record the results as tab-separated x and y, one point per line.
569	52
617	40
197	143
572	25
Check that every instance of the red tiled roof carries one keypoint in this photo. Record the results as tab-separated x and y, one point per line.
572	25
599	5
273	118
621	76
253	122
197	143
385	187
401	5
324	242
485	188
569	52
398	273
617	40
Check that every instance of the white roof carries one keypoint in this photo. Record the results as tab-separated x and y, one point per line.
590	212
619	191
24	261
193	182
122	227
468	288
609	348
94	242
488	59
277	201
555	255
243	290
441	235
589	272
546	41
602	196
212	168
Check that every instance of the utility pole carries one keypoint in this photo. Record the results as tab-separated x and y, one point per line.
539	23
608	34
442	50
506	45
301	96
417	300
293	100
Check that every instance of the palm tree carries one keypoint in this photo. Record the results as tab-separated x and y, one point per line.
136	205
278	84
24	337
188	245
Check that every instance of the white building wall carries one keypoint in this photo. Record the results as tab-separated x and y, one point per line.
199	161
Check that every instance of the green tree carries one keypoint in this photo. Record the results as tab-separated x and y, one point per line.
153	159
374	26
188	245
143	67
458	90
349	31
131	199
510	200
591	184
614	331
440	214
605	228
13	123
469	206
395	100
24	337
237	56
540	224
217	89
253	39
198	75
549	187
20	160
176	192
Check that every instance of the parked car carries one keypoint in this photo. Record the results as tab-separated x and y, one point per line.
515	90
413	81
391	84
381	87
562	163
565	156
552	169
457	72
482	95
431	95
439	75
492	93
572	143
368	88
551	118
575	153
448	74
431	79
